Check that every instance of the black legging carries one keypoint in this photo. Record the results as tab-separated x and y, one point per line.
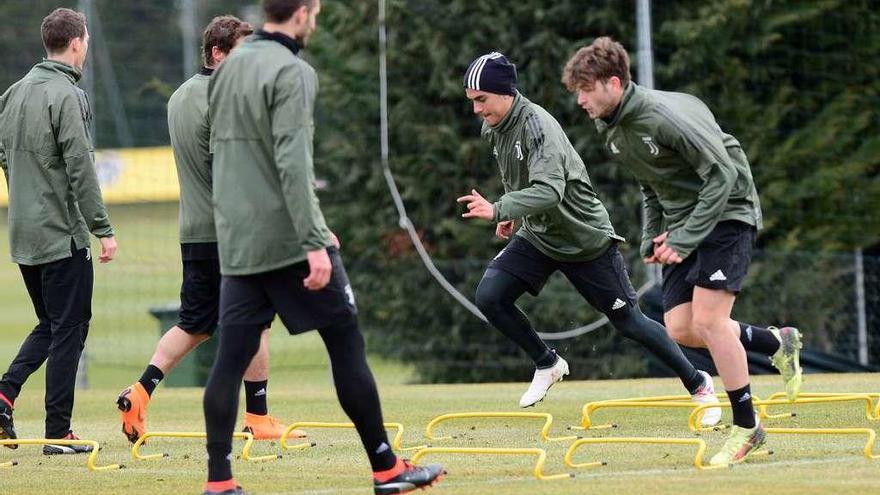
354	382
633	324
496	297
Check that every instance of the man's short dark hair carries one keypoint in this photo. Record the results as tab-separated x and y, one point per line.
61	27
223	32
279	11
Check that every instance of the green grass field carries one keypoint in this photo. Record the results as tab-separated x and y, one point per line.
123	335
800	465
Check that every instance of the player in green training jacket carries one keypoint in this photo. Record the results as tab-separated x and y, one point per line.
47	157
277	256
563	226
703	215
200	291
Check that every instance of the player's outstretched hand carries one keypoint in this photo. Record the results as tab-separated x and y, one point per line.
478	206
320	269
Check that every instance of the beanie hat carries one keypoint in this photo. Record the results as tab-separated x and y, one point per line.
492	73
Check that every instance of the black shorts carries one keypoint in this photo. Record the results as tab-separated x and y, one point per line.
256	299
603	282
200	290
720	262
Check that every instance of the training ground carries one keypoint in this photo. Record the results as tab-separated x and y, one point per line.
799	465
300	389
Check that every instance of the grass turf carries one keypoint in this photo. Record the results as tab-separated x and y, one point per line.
800	465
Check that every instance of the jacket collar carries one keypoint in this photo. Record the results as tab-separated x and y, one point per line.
625	108
69	71
288	42
509	121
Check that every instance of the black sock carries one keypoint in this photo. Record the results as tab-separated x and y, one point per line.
693	382
633	324
151	378
758	339
255	397
237	346
741	403
356	390
548	360
496	297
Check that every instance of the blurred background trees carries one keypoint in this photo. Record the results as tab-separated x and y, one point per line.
795	81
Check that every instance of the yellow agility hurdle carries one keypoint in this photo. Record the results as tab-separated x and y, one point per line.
696	414
665	401
545	431
868	449
396	444
873	415
587	424
91	462
698	459
538	471
245	453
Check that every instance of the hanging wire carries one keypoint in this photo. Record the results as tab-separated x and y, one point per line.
407	225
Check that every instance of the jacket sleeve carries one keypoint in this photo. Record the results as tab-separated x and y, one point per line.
653	221
702	148
546	176
3	158
76	150
3	163
292	133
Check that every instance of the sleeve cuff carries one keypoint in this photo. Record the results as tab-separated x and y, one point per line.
316	243
681	250
496	208
103	232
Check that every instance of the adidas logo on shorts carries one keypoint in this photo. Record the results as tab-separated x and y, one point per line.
717	276
618	304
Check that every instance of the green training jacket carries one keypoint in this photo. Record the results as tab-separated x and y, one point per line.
693	175
48	158
190	139
547	186
266	211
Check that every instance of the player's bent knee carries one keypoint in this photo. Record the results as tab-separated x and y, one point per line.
679	333
706	329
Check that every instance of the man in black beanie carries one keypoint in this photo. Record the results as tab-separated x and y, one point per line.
559	224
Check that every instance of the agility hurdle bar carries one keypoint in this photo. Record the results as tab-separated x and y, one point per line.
245	453
868	449
698	459
545	431
585	411
693	419
396	444
538	471
667	401
90	462
872	415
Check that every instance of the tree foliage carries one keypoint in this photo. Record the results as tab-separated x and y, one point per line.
794	81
